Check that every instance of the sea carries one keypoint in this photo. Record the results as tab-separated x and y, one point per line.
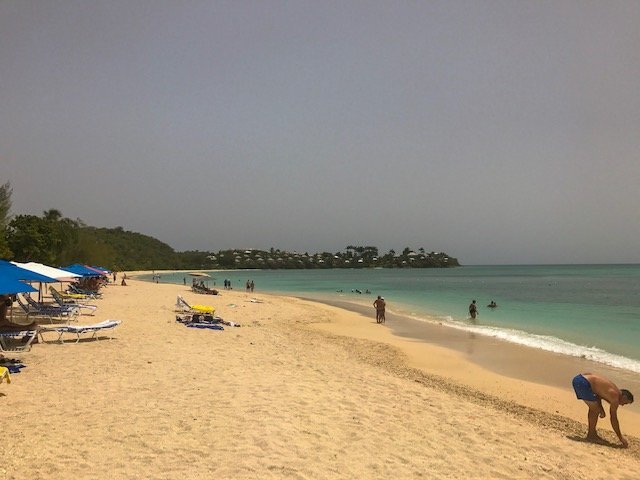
587	311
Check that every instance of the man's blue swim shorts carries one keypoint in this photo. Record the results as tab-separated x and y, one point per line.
583	389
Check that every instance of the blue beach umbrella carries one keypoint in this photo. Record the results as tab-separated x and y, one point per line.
79	269
9	286
16	272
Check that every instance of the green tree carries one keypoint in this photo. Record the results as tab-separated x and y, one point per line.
65	236
52	215
226	259
31	239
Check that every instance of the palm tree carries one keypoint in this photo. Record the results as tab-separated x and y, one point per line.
52	215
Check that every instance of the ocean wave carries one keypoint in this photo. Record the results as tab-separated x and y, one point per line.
543	342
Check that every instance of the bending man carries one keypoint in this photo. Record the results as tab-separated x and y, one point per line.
593	389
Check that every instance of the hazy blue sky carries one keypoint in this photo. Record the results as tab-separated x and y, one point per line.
496	131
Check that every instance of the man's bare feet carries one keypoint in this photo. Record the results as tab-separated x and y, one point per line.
595	438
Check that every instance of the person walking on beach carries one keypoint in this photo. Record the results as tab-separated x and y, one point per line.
380	305
473	310
593	389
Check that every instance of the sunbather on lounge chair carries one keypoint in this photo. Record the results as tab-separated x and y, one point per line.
5	324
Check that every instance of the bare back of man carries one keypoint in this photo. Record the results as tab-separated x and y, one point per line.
592	389
379	305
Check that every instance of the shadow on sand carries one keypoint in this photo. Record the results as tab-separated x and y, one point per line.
600	441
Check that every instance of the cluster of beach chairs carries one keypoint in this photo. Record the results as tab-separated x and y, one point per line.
201	287
28	313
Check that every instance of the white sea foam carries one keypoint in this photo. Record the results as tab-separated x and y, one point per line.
543	342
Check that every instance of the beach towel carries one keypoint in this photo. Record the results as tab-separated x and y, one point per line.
15	368
208	326
12	364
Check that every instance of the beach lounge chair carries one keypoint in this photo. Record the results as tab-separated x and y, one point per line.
81	294
183	306
18	341
202	288
71	303
80	330
30	312
67	313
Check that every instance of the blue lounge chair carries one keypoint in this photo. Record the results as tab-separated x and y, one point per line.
18	341
71	303
33	308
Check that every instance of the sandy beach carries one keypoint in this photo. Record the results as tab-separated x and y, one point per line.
301	390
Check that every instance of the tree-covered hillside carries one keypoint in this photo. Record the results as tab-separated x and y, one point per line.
55	240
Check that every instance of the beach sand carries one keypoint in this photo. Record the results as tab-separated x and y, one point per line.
301	390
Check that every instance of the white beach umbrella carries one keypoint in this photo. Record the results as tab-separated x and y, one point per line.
58	274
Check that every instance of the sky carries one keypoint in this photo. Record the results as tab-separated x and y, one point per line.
499	132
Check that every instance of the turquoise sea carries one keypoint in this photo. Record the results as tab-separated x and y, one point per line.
590	311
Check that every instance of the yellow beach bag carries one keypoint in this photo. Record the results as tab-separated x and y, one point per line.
4	374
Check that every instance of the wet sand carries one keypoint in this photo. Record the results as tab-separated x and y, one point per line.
540	379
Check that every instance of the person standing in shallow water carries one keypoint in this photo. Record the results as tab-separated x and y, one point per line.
592	389
473	310
380	305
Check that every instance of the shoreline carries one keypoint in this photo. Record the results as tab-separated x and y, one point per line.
506	361
578	332
524	375
500	356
